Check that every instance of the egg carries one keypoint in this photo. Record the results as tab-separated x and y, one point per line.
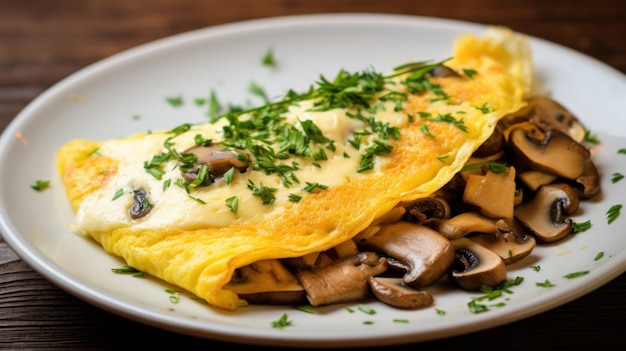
317	171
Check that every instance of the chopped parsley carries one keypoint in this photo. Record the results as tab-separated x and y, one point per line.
41	185
616	177
175	101
575	274
282	322
128	270
477	305
545	284
613	213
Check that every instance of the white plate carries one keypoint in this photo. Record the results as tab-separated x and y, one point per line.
104	100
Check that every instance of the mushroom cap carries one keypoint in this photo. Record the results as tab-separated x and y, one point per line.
557	153
546	214
425	252
510	241
393	291
475	265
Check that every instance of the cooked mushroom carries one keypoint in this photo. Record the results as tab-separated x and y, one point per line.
466	223
557	153
394	292
588	182
142	205
548	114
493	193
426	254
344	280
534	179
266	282
493	145
546	214
475	266
427	210
443	71
217	161
510	241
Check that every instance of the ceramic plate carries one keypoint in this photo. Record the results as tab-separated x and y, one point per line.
128	93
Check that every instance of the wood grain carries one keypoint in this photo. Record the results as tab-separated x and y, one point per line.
41	42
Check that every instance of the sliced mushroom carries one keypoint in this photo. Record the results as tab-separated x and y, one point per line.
510	241
548	114
266	282
427	210
493	193
217	161
344	280
466	223
142	205
426	254
493	145
546	214
443	71
557	153
588	182
535	179
393	291
475	266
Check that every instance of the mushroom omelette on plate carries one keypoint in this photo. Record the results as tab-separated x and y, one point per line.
194	204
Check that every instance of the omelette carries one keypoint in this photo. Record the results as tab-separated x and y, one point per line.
192	204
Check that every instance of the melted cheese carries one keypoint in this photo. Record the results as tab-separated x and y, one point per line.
197	245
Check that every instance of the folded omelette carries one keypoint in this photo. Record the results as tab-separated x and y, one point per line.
192	204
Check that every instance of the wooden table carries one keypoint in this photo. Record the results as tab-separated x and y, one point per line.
43	41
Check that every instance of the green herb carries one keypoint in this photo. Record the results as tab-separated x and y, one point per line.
621	151
426	131
613	213
494	167
282	322
258	91
536	268
232	203
599	256
368	322
575	274
117	194
94	152
448	118
312	186
366	309
306	308
268	58
166	184
442	158
175	101
294	198
616	177
545	284
173	295
265	193
440	312
484	108
470	72
591	138
41	185
214	105
397	320
128	270
581	227
477	305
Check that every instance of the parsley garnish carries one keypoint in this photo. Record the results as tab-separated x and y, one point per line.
575	274
265	193
579	227
268	58
616	177
117	194
232	203
546	284
175	101
598	256
476	305
282	322
41	185
613	213
128	270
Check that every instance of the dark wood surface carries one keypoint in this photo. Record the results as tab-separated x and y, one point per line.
43	41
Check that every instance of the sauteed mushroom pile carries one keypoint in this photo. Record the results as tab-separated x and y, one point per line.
519	189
